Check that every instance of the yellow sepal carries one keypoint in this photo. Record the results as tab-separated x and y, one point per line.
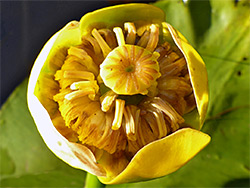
74	154
162	157
198	74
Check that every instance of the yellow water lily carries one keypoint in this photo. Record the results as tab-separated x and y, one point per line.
120	94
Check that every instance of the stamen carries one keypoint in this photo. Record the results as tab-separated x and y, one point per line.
163	49
161	124
137	117
190	103
150	119
144	39
60	96
85	75
146	133
80	53
173	69
109	37
176	119
92	127
174	100
104	46
107	100
89	39
107	131
85	84
175	84
142	133
83	58
131	36
141	30
119	36
133	147
74	63
114	141
71	107
129	124
79	93
119	109
153	38
168	59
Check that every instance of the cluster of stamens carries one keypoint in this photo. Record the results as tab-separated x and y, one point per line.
100	79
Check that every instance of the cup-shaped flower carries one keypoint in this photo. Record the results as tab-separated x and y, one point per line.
120	94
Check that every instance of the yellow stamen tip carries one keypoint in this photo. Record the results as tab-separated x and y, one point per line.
104	46
119	109
119	36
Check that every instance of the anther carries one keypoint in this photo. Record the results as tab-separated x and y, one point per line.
119	109
104	46
131	35
107	100
119	36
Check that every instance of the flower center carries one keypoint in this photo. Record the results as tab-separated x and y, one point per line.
120	90
130	70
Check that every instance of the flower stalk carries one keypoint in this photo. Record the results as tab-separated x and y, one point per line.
91	181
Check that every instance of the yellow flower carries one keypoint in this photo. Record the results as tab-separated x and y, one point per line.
120	94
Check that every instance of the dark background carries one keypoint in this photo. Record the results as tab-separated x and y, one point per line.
26	26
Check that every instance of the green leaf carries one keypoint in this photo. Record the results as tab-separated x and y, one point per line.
25	159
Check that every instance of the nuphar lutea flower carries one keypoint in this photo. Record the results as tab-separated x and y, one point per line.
120	94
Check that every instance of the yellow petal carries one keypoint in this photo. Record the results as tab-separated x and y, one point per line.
117	15
162	157
197	72
74	154
45	62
